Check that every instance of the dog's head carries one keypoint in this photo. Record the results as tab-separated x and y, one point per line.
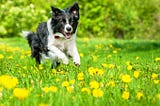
65	21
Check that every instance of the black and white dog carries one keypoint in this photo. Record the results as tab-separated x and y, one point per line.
56	38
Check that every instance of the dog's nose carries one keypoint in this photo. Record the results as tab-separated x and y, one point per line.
68	29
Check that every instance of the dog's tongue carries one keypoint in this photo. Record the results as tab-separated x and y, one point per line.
68	35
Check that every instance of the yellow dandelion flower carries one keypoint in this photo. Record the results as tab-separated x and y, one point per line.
72	81
128	63
158	96
156	81
1	89
46	89
154	76
53	89
111	66
1	56
80	76
57	79
87	90
8	81
125	95
111	46
21	93
126	78
65	83
43	104
104	65
40	67
86	39
114	51
139	95
110	83
136	74
81	55
10	57
97	93
70	89
91	71
109	56
157	59
94	84
99	71
54	71
129	67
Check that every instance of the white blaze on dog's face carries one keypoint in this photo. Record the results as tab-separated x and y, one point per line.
65	21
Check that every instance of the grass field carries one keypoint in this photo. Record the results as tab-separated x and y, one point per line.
112	72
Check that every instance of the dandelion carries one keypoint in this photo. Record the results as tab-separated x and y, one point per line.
53	89
91	71
46	89
109	56
154	76
21	93
128	63
136	74
87	90
110	83
49	89
57	79
54	71
125	95
40	67
65	84
94	84
80	76
97	93
157	59
158	96
1	56
81	55
99	71
156	81
70	89
104	65
8	81
115	51
72	81
129	67
43	104
111	66
139	95
126	78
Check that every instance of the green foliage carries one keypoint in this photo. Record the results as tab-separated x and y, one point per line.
109	18
102	62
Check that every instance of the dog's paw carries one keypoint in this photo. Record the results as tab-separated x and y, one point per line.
77	64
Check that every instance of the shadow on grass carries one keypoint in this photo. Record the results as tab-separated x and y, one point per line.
135	46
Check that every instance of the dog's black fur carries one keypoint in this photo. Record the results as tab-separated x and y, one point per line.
38	41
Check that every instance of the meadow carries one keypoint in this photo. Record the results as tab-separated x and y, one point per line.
112	72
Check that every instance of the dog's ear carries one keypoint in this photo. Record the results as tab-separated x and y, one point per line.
55	11
74	9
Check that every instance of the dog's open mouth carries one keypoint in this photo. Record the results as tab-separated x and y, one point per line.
68	35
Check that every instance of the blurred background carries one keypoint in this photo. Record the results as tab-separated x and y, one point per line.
123	19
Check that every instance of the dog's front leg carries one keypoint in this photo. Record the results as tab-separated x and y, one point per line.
73	52
60	55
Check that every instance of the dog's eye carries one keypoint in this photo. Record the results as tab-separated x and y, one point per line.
64	20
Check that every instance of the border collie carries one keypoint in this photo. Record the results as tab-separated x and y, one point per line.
56	38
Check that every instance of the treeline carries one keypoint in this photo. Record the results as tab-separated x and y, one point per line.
98	18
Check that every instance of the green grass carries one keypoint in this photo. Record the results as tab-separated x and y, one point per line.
108	56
